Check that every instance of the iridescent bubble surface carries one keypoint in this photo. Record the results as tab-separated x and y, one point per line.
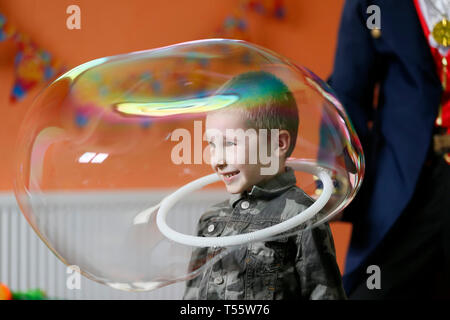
105	143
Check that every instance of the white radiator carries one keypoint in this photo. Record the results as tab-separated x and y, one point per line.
26	263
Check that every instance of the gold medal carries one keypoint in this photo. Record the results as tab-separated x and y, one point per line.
441	32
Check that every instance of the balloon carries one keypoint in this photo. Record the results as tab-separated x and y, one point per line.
116	158
5	293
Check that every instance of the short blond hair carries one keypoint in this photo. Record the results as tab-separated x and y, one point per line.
265	101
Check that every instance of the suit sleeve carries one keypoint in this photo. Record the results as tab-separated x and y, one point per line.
354	73
357	69
316	266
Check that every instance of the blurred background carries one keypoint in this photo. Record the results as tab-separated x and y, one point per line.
36	45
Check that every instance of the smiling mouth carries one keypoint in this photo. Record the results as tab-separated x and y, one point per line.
230	174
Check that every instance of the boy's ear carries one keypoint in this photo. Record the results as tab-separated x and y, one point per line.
284	141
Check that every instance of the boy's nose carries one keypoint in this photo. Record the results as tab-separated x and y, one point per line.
218	162
220	166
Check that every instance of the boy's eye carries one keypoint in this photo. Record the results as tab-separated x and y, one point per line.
230	143
227	144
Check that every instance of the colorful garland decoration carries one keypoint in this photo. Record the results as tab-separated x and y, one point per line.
34	294
32	65
235	25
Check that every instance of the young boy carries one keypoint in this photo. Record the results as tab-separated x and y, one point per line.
302	266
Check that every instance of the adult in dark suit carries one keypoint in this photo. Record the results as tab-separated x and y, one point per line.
401	214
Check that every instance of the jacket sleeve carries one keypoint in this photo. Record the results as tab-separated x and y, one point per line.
198	257
316	266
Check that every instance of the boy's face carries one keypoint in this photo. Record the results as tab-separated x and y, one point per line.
234	155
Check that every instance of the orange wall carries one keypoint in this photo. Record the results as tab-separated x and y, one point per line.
307	36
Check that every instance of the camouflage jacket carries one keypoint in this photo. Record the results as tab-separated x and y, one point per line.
299	266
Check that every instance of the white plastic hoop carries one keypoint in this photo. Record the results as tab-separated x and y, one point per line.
196	241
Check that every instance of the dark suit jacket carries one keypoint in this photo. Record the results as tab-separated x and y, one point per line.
401	63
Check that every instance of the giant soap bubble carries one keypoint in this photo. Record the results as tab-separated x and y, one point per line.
115	169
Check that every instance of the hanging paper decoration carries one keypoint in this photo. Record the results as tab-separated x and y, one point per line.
6	29
235	25
274	8
32	65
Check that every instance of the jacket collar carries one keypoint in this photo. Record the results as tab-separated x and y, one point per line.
268	189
